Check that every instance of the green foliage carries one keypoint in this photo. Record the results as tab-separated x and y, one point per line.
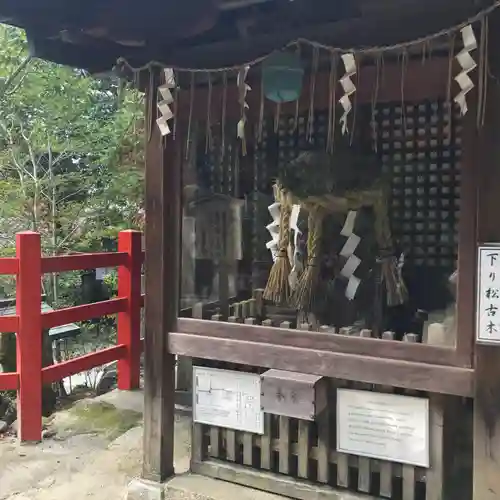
71	157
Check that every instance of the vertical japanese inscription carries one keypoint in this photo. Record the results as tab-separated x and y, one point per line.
488	295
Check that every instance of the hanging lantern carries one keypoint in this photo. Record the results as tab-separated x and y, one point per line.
282	74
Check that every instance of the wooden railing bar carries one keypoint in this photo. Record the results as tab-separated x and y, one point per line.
9	265
83	363
73	262
83	312
321	341
9	381
9	324
369	369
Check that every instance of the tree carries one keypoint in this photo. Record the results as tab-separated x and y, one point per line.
71	158
70	152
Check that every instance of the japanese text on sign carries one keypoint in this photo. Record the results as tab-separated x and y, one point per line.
488	295
229	399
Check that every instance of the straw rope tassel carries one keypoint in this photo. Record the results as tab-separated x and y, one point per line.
278	288
391	270
303	295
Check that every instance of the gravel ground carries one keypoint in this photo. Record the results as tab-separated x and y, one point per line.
84	460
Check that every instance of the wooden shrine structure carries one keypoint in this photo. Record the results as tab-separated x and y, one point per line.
431	118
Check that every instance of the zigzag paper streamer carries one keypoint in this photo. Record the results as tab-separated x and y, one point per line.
295	257
243	89
348	87
467	64
274	229
352	262
167	99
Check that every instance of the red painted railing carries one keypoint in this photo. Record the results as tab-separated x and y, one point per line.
29	321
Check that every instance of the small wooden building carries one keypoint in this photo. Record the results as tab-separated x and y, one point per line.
347	307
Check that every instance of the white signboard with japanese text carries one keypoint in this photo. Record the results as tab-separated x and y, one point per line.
488	295
383	426
229	399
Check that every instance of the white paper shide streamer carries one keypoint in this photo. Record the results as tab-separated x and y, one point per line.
274	229
467	64
294	255
243	89
166	101
348	87
352	261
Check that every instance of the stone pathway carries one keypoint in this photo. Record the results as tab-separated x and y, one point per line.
94	452
87	457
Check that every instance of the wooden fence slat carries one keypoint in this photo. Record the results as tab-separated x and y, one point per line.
230	445
284	445
364	467
408	482
303	439
409	470
214	431
323	452
385	466
247	436
342	458
214	442
303	449
434	476
197	446
265	444
247	448
198	441
230	434
258	295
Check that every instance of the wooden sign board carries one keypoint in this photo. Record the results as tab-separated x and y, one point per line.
291	394
230	399
488	295
383	426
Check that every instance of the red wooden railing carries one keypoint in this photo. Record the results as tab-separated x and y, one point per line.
29	321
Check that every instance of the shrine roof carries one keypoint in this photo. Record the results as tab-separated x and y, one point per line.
94	34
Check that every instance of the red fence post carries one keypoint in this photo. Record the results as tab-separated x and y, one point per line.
29	336
129	322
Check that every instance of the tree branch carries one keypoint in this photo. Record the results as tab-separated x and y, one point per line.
10	81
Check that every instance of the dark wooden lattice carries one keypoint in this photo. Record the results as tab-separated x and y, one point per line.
420	147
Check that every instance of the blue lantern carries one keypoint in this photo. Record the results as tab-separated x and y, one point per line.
282	74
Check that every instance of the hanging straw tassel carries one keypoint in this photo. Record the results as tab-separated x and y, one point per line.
278	288
391	272
397	293
303	296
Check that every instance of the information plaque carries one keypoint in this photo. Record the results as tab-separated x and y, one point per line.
230	399
488	295
383	426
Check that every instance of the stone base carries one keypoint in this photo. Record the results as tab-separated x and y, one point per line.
140	489
193	487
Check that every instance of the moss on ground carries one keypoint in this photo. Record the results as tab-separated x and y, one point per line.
87	417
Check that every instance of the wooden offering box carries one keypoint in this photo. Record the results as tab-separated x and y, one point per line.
291	394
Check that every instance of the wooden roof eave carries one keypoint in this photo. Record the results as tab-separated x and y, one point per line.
97	47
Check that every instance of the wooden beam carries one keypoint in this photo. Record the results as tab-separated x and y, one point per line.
387	28
467	230
419	81
162	294
321	341
372	370
486	477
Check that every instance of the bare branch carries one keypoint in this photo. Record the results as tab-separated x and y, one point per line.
12	78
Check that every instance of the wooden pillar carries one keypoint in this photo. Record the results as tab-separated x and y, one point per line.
487	358
129	322
163	184
29	336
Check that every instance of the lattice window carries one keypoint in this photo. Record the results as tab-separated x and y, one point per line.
420	147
